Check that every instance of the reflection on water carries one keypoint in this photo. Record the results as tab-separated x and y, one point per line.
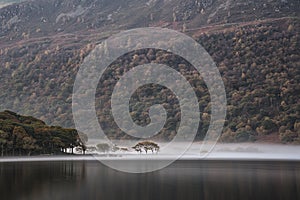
181	180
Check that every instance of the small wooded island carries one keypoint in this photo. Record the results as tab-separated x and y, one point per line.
25	135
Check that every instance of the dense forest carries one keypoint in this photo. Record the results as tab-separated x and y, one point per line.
260	69
259	65
25	135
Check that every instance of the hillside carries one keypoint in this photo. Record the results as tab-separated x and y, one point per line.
4	3
42	18
255	45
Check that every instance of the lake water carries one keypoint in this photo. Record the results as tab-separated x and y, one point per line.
184	179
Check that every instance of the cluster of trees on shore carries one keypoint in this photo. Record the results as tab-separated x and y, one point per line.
146	146
24	135
139	147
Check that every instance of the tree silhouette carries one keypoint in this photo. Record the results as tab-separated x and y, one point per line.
146	146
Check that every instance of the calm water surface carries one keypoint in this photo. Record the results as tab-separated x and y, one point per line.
182	180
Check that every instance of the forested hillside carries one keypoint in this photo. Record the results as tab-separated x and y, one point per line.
255	45
259	65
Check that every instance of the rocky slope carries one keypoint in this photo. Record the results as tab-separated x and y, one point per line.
42	18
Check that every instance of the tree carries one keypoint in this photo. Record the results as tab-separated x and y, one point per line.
57	144
146	146
138	148
83	138
3	140
29	144
18	134
103	147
